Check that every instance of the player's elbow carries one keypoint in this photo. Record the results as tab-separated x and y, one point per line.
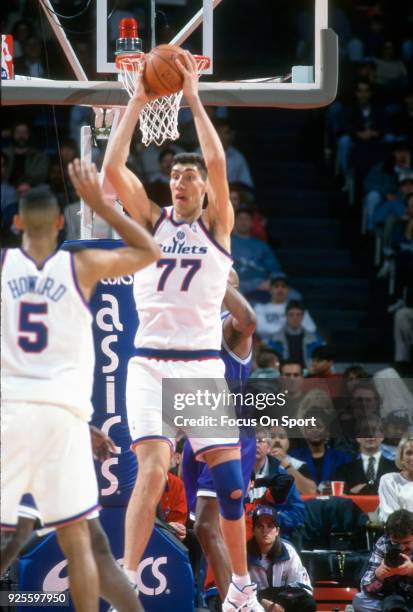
112	168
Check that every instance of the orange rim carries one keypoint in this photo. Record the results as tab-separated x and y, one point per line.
202	60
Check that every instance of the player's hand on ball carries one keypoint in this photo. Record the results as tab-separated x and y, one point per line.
141	95
188	67
102	445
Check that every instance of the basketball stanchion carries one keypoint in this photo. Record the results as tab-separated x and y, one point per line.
158	120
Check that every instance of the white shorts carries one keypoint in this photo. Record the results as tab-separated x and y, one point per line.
46	451
144	400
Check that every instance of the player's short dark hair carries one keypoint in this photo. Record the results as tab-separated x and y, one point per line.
38	199
194	160
324	352
295	304
400	524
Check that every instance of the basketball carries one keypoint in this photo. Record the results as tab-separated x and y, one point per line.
162	76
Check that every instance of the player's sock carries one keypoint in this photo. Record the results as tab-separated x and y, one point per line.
131	574
241	581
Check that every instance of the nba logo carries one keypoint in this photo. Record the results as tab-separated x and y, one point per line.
6	56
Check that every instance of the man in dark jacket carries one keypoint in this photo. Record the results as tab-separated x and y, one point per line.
362	475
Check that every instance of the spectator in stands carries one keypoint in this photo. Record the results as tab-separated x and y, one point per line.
322	460
240	198
396	208
22	30
292	379
291	510
272	315
382	182
395	427
391	73
396	489
293	341
268	364
364	401
31	63
362	475
403	334
237	166
322	371
353	374
361	127
158	189
176	466
282	580
401	121
254	260
25	161
296	468
383	586
174	505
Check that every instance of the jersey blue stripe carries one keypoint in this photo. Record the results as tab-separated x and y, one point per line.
176	355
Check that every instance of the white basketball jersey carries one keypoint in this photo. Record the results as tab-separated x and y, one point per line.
46	333
179	297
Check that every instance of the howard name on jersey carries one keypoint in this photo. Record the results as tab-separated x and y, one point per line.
47	343
179	298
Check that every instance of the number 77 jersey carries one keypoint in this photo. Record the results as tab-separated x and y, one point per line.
47	351
178	299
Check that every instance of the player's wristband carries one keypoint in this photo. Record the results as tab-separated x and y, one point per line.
288	466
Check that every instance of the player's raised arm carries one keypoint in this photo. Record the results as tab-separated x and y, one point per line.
94	264
126	184
219	212
240	326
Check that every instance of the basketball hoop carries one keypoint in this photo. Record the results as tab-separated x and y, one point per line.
158	120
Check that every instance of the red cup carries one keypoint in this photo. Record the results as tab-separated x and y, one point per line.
337	488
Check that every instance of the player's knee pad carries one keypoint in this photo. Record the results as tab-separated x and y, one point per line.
228	483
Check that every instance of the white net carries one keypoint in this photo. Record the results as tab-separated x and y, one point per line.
158	120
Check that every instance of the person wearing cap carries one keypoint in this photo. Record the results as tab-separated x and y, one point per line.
272	315
254	260
283	582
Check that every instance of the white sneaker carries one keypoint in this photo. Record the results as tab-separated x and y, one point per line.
244	600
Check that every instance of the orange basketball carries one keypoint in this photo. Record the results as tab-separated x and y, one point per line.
162	76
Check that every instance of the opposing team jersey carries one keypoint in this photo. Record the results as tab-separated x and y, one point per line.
179	298
237	370
46	331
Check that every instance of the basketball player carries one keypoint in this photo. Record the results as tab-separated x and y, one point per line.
47	370
179	336
238	326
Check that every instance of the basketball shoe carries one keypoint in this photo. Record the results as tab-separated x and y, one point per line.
244	600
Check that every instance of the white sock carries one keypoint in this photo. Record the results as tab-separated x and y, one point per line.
131	574
241	581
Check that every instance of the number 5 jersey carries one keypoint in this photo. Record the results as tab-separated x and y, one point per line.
46	335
